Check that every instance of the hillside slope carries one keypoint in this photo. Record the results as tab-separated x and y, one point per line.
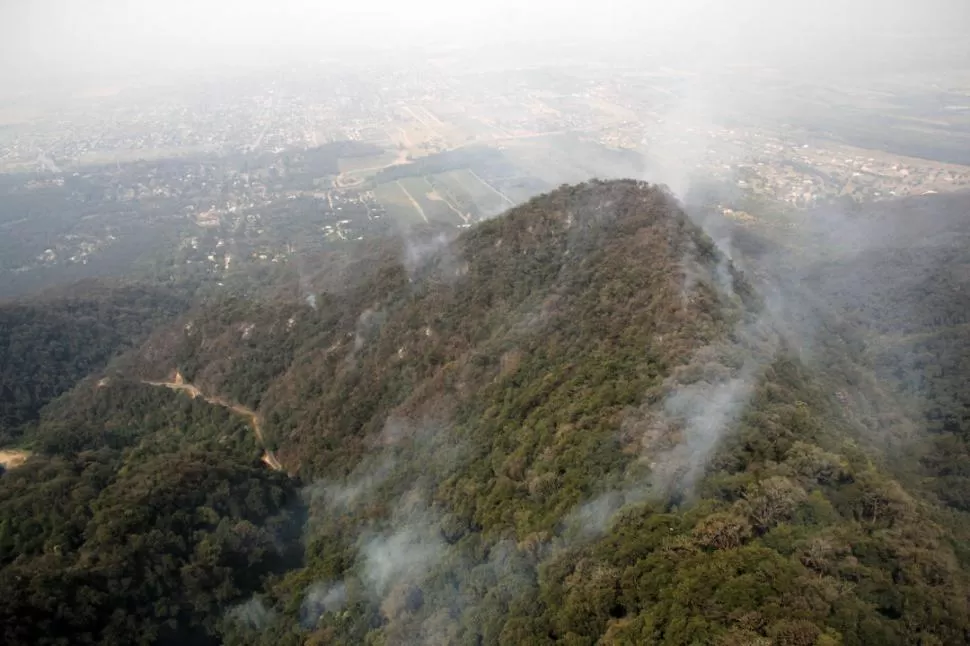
906	289
590	351
577	423
50	342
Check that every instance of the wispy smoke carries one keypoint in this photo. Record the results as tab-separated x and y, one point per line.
722	272
305	284
409	564
435	254
503	575
400	561
408	451
368	325
706	411
395	557
320	599
252	614
678	140
593	518
404	556
368	322
704	400
357	488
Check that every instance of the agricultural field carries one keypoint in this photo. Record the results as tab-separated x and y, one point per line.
470	192
363	165
434	206
456	195
398	204
521	189
416	138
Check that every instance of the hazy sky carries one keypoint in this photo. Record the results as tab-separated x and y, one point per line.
83	36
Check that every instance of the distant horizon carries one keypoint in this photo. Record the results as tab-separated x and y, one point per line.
56	41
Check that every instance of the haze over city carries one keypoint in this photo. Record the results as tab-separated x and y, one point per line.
104	37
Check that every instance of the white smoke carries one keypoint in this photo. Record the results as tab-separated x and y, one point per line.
706	411
320	599
418	253
368	321
357	488
252	614
678	140
406	555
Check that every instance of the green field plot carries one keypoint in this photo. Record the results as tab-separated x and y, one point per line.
433	205
454	192
521	189
365	165
465	185
398	204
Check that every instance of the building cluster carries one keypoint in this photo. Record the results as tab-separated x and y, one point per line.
216	164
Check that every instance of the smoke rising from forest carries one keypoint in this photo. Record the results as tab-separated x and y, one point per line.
321	598
253	614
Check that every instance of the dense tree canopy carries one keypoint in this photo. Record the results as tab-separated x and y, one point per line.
49	343
577	423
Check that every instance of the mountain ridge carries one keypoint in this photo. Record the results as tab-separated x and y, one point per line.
575	423
511	274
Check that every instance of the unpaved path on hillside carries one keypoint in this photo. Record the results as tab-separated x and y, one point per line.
12	458
193	391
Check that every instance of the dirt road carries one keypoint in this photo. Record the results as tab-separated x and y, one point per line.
12	458
179	383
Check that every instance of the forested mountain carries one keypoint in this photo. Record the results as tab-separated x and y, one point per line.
50	342
906	291
143	517
576	423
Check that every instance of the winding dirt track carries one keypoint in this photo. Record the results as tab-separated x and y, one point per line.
179	383
13	458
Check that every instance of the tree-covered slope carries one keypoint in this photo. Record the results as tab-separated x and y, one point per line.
589	353
902	281
50	342
576	423
141	518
